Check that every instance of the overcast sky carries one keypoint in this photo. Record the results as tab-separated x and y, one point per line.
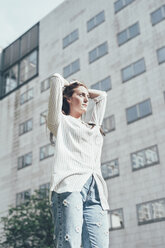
17	16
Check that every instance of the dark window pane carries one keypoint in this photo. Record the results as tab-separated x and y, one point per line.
132	114
92	55
66	71
144	108
29	41
65	41
75	66
90	24
100	18
128	2
139	67
74	35
28	67
122	37
133	30
161	55
11	79
127	73
118	5
106	84
96	86
102	49
156	16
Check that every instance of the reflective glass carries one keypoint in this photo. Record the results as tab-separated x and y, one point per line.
161	55
122	37
144	108
93	55
11	79
138	160
100	18
156	16
116	217
102	49
132	114
106	84
133	30
118	5
139	67
127	73
151	155
28	67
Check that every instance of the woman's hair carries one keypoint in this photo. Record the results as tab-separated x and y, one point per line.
68	91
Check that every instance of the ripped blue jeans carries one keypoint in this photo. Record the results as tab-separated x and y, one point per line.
79	220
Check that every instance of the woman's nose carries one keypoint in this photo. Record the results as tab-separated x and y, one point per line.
86	99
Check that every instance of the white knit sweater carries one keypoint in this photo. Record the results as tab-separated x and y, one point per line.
78	146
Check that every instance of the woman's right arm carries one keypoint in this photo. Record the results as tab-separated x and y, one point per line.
57	82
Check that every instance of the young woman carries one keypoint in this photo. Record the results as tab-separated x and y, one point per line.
78	192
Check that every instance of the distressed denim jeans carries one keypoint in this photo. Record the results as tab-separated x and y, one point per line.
79	220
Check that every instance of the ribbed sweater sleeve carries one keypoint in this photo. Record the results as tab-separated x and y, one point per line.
55	102
99	108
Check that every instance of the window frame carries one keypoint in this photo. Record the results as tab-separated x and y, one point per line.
114	175
152	220
96	49
124	5
94	19
110	212
146	165
132	67
136	105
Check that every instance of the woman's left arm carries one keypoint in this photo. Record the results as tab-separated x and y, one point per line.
100	98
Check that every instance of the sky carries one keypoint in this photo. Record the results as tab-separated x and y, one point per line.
17	16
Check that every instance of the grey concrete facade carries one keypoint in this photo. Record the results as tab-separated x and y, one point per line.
129	188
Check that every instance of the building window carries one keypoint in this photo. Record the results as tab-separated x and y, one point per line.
25	97
44	190
145	158
28	67
43	117
45	85
11	78
139	111
108	124
69	39
110	169
116	219
25	160
120	4
98	52
158	15
46	151
161	55
22	197
152	211
71	68
128	34
104	84
20	61
133	70
95	21
25	126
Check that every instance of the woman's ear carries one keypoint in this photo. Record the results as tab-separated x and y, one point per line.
68	99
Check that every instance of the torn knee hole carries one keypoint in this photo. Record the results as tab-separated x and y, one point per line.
98	224
77	229
65	203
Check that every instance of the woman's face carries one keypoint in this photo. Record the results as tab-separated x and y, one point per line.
78	101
